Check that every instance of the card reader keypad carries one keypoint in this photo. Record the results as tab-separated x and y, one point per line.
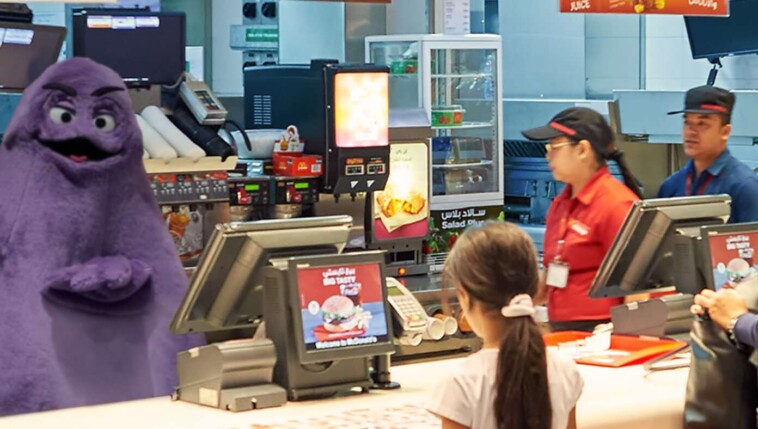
411	310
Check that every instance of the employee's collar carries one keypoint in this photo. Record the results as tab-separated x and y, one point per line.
587	194
716	167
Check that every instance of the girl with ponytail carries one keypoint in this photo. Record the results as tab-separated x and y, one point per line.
513	382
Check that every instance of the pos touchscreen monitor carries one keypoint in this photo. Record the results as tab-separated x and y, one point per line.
226	290
729	254
657	247
143	47
339	306
26	50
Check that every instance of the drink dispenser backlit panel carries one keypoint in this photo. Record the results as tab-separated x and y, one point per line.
361	110
341	111
361	129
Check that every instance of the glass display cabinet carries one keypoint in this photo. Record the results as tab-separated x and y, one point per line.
457	81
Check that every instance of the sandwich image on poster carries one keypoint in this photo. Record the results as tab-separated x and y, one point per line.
401	210
732	258
342	306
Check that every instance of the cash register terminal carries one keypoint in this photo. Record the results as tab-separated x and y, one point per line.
325	314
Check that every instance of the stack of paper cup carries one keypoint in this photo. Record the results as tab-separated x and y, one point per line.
450	324
410	339
435	329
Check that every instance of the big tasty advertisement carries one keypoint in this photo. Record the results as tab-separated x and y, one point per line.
342	306
732	258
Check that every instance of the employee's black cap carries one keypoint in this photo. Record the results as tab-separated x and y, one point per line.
707	99
578	123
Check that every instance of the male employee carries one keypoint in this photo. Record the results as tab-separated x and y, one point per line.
712	169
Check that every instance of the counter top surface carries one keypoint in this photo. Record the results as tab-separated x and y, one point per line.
613	397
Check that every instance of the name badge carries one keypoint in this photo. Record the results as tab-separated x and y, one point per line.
557	274
579	228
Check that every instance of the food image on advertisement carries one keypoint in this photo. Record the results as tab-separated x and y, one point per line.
641	6
186	229
732	259
392	204
414	203
340	315
396	209
342	306
388	205
401	210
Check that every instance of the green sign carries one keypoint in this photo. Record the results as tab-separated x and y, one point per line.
261	35
447	225
252	187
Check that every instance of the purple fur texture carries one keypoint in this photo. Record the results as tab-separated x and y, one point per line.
89	276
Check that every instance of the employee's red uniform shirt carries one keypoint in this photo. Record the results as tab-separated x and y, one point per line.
587	224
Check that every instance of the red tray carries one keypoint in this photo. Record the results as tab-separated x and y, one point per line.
635	349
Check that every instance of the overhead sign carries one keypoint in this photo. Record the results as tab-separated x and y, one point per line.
651	7
60	1
358	1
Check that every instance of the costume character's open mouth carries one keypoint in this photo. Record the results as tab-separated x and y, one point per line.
78	149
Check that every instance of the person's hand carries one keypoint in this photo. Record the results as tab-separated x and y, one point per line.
722	306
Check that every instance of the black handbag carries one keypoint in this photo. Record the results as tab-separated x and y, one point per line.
722	388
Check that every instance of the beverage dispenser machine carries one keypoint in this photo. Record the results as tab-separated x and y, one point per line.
341	111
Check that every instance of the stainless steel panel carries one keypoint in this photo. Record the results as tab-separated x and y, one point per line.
361	20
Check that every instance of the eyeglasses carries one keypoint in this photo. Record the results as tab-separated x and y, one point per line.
554	146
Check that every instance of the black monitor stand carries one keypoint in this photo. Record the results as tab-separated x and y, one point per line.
381	374
716	61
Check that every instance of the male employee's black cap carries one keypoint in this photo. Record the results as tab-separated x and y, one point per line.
578	123
707	100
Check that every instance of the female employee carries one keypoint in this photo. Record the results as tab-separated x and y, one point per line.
583	220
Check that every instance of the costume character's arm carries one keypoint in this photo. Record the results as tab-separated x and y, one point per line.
103	279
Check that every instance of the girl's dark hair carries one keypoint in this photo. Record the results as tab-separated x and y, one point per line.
606	149
493	263
629	180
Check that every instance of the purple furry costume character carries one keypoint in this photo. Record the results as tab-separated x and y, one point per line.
89	276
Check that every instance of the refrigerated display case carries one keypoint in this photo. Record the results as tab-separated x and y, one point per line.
457	81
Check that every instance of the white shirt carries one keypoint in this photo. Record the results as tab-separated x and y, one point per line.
467	396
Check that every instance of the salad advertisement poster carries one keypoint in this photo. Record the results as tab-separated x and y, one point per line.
448	225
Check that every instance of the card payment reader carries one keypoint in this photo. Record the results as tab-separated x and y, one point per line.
407	310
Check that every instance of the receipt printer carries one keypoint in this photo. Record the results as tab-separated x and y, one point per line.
658	317
234	375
